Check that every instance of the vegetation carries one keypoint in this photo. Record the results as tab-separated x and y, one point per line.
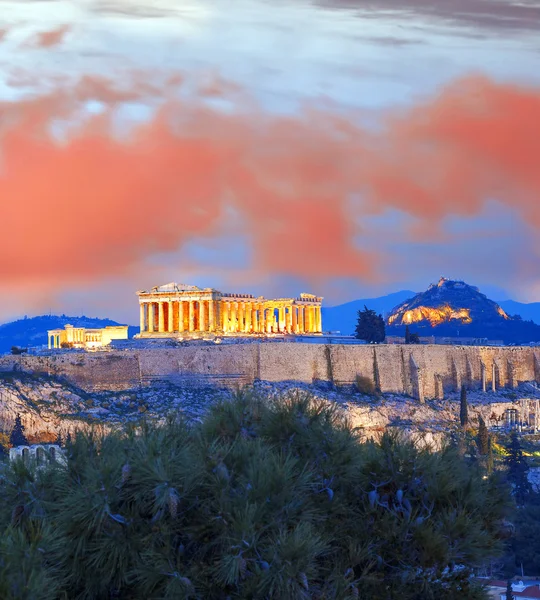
483	437
365	385
411	338
370	326
263	499
463	408
517	471
17	437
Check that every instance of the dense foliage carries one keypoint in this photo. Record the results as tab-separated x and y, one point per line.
370	326
264	499
17	436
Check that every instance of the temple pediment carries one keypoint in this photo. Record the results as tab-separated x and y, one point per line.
176	287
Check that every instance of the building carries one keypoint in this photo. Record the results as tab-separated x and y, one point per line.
449	341
79	337
41	454
521	590
182	310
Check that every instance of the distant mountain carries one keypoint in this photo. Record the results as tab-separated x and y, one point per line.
528	312
343	317
30	332
454	308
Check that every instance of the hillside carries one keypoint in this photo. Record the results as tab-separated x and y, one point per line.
32	331
454	308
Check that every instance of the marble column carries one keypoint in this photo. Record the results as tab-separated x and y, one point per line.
181	316
234	317
309	319
211	315
161	317
319	319
288	319
241	317
255	318
202	315
300	319
249	313
142	320
225	315
170	317
294	319
151	317
191	315
493	377
281	319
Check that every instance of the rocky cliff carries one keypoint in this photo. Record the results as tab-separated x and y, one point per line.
49	406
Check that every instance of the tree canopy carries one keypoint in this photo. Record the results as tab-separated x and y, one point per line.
17	437
370	326
262	499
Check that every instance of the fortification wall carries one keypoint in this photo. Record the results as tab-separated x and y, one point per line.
419	371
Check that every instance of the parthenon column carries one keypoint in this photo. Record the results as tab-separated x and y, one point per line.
241	315
170	317
281	319
142	319
255	318
161	322
191	315
181	316
249	312
151	317
211	315
318	320
294	319
225	316
301	319
288	319
234	317
202	316
309	319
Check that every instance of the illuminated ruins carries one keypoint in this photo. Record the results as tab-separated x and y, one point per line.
177	310
80	337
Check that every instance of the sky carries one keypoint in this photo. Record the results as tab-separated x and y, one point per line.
340	147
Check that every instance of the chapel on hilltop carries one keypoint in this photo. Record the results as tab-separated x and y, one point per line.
177	309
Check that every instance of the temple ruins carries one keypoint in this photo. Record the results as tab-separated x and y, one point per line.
80	337
178	310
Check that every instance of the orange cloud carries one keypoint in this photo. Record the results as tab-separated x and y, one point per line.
94	205
48	39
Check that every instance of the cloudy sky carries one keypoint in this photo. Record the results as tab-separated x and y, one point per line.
343	147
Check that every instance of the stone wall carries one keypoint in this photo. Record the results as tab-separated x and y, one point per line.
420	371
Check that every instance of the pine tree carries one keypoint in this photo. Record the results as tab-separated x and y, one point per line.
17	437
509	594
370	326
463	409
483	437
59	441
489	461
517	470
173	510
407	335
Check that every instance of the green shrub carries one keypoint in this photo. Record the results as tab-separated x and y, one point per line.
365	385
263	499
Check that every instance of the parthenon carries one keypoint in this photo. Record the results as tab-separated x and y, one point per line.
175	310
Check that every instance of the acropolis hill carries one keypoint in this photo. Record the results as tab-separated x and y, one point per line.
197	336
